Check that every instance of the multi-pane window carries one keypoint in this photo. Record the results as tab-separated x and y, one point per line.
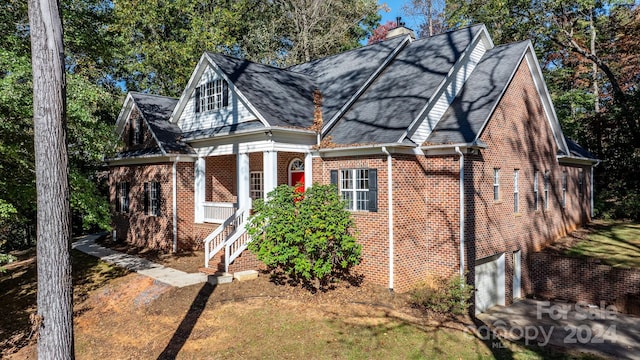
496	184
546	190
535	191
358	187
516	191
581	181
564	189
152	197
212	95
137	132
122	197
256	185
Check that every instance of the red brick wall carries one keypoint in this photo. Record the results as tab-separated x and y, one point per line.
426	218
518	136
371	226
136	227
581	279
221	180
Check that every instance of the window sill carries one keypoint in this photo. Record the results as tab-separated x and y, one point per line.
497	202
517	214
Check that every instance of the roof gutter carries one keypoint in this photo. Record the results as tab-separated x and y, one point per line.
461	212
250	132
390	212
458	146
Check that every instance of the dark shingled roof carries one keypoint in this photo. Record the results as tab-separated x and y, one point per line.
384	112
156	110
341	75
283	97
577	150
474	104
148	152
222	130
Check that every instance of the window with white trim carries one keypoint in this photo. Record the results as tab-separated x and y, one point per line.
546	189
581	181
213	95
152	197
536	196
516	191
122	197
358	187
496	184
564	189
137	131
256	185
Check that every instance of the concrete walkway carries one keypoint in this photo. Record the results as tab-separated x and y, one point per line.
87	244
592	329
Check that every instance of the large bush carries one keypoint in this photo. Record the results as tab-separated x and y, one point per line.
309	236
444	295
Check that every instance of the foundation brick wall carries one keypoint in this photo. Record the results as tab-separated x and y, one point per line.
582	279
519	136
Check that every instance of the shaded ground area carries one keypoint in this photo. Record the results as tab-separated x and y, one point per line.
18	295
188	261
614	243
593	330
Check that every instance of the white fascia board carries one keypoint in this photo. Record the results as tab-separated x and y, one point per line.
125	113
545	97
250	147
151	159
463	63
186	93
367	83
576	160
450	149
363	150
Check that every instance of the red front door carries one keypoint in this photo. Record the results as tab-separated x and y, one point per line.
297	180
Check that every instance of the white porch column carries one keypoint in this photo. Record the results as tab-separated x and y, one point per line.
199	189
242	171
270	171
308	170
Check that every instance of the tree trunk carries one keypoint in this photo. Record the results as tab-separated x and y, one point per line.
594	67
55	291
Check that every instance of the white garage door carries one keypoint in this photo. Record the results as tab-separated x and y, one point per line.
489	282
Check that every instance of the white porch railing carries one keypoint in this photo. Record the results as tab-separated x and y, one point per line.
218	212
235	245
226	232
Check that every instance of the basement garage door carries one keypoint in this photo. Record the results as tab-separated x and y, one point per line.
489	282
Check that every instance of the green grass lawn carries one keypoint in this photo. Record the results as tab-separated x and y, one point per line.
615	243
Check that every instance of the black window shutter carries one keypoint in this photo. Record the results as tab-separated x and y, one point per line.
198	99
334	178
145	199
131	134
158	199
225	93
373	190
118	206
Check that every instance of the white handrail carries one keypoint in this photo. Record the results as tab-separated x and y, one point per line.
235	245
230	225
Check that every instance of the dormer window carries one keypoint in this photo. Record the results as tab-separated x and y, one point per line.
213	95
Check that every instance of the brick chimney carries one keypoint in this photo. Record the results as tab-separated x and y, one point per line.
400	29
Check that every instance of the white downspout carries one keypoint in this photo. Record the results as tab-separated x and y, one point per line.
175	205
390	212
592	188
461	211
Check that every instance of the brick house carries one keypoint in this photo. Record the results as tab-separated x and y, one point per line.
430	141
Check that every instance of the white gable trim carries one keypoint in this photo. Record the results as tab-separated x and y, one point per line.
543	93
449	88
205	61
367	83
124	115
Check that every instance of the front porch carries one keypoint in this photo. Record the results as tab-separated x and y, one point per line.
225	187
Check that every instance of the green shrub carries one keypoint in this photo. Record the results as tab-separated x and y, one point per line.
309	236
444	295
